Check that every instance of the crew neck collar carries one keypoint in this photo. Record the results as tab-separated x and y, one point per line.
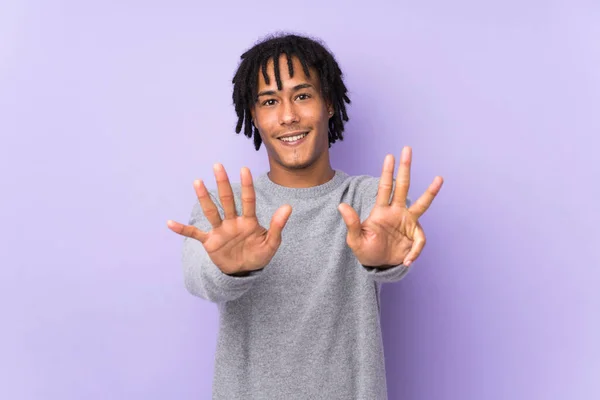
309	192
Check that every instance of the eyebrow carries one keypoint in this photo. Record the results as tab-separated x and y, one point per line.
294	89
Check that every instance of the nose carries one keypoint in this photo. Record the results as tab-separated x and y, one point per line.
288	113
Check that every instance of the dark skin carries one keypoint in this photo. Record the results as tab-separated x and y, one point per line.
237	244
298	107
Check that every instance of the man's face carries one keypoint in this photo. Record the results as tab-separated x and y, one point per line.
293	122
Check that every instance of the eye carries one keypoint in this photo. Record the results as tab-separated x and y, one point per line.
269	102
303	96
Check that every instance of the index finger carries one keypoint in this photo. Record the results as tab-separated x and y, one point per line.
208	206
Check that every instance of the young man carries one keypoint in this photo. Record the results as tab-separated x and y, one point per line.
299	302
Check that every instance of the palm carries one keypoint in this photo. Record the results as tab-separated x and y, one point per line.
237	243
384	237
391	235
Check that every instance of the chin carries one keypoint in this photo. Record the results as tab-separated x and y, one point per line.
296	165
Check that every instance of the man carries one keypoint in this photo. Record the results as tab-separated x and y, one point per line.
299	302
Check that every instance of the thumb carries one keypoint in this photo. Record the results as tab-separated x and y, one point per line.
352	220
278	222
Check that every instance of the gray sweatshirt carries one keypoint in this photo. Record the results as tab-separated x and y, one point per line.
307	326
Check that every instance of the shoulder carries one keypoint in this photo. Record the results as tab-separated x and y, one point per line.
365	186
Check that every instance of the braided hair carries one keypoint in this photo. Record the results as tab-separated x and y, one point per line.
311	54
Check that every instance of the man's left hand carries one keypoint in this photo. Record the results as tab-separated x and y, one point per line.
391	235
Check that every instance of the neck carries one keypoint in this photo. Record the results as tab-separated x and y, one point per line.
313	175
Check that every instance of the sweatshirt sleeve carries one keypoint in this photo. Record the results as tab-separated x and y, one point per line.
393	273
201	276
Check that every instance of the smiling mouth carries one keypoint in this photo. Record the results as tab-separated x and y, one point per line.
293	139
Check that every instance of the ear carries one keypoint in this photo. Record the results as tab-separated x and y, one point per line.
330	109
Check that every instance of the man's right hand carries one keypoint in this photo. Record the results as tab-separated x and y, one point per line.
237	244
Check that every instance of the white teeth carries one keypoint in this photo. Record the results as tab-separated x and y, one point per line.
294	138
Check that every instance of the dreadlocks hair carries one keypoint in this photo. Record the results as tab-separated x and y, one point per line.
311	53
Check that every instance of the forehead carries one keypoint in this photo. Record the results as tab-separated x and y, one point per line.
287	81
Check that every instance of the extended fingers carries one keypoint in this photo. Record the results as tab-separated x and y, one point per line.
403	178
225	191
208	206
352	221
386	182
248	194
422	204
187	230
278	222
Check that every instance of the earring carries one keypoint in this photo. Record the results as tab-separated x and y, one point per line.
330	112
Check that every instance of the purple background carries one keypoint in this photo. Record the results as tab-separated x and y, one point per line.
109	111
